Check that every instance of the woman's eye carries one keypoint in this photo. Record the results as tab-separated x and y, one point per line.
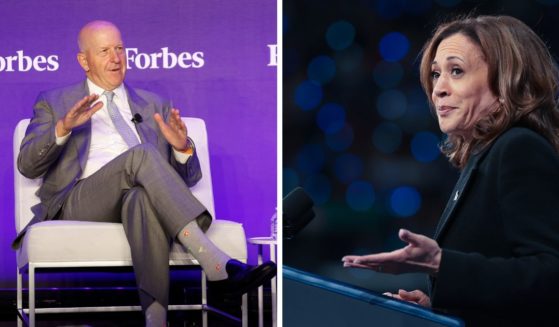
435	75
456	71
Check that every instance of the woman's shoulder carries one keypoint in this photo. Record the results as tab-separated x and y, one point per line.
522	142
521	136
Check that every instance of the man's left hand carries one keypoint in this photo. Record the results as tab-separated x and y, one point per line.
174	130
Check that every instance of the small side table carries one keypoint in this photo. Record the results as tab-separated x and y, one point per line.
271	242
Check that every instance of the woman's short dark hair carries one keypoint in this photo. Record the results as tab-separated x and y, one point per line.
521	72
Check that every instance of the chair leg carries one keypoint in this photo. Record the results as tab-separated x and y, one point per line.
204	301
19	296
31	274
19	291
244	309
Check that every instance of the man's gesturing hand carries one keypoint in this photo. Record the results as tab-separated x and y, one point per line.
422	254
80	113
174	130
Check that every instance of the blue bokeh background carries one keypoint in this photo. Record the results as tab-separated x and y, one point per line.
358	132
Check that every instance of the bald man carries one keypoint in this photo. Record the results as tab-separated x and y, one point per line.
97	165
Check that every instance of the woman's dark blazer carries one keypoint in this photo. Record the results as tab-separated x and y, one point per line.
500	236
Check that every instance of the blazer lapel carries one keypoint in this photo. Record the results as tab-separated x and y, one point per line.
139	106
458	192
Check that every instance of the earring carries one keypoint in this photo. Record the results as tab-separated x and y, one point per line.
502	100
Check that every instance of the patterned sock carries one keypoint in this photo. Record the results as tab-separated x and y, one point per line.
156	315
211	258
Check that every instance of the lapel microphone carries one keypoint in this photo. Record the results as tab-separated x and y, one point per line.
137	119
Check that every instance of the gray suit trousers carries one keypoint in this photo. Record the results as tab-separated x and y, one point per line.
140	189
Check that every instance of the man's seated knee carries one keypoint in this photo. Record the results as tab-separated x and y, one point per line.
135	192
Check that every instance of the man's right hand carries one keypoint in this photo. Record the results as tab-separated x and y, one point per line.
80	113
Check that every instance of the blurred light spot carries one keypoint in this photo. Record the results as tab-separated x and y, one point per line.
394	46
388	9
387	137
321	69
310	159
348	167
341	140
331	118
391	104
424	146
448	3
388	74
418	101
290	180
360	196
405	201
350	59
308	95
319	188
340	35
418	115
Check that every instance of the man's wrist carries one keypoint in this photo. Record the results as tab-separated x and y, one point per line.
189	149
60	130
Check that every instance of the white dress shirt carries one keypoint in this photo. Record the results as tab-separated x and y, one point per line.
106	142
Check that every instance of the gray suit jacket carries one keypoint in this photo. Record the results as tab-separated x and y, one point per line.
62	166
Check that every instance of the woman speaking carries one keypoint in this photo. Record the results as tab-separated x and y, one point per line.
494	258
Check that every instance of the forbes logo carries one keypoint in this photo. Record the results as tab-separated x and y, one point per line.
163	59
23	63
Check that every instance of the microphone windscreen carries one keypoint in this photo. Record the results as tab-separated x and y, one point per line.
296	202
297	211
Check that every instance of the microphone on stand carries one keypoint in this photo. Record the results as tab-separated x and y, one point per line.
137	119
297	212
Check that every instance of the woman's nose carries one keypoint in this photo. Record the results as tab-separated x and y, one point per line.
441	87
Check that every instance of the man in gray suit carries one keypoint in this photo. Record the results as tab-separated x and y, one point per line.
108	152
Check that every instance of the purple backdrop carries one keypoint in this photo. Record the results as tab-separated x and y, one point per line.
225	78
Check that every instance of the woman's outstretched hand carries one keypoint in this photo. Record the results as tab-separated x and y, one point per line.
422	254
